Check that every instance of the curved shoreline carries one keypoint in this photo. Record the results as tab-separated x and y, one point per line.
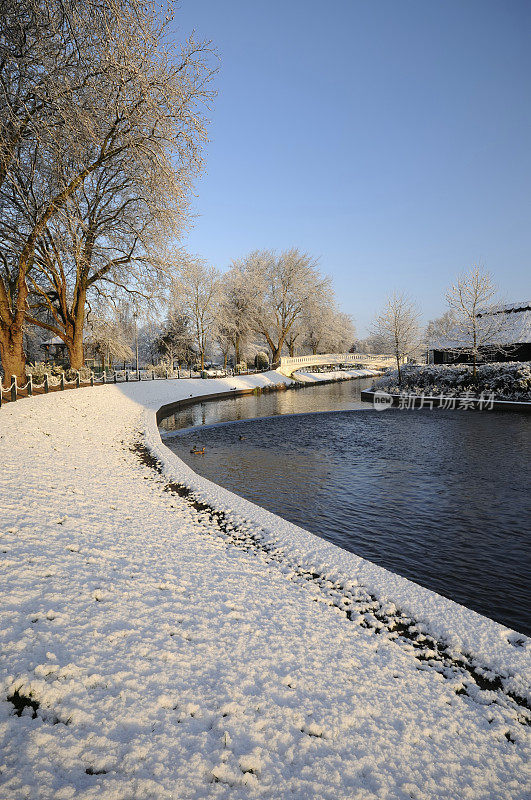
445	618
287	383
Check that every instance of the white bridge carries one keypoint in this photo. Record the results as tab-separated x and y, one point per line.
290	365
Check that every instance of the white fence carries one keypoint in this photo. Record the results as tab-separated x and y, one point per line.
289	365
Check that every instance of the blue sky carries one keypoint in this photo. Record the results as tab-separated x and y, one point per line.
388	138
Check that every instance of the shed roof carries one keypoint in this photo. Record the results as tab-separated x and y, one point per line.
516	327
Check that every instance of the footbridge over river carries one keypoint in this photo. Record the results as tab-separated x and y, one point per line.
371	361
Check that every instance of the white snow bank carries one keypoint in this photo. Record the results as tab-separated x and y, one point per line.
164	662
335	375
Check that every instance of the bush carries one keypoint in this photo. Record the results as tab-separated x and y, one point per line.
506	380
159	369
41	368
261	360
84	374
38	371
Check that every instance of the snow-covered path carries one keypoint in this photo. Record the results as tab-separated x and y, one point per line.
169	651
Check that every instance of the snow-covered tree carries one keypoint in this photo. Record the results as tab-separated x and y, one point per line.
108	339
86	88
283	286
478	325
236	309
396	329
195	295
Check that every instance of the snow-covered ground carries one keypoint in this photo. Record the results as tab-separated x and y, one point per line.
335	375
173	651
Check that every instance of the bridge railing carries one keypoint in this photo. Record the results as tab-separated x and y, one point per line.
334	358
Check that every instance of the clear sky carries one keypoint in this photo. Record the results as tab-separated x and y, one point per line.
389	138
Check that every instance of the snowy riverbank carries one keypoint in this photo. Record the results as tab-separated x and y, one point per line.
184	653
334	375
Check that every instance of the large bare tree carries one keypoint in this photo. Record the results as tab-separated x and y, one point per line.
236	309
282	287
121	99
396	329
327	330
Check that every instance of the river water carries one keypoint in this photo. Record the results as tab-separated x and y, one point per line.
440	497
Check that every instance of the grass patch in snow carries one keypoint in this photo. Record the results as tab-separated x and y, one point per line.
22	701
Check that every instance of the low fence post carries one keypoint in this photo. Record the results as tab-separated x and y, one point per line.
62	381
167	375
13	387
46	383
30	386
91	378
104	377
78	379
127	376
114	376
152	374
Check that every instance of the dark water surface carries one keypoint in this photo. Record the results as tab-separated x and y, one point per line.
441	497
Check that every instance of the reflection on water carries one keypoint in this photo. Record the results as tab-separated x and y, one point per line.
330	397
440	497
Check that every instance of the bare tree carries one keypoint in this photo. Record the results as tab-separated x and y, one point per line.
236	310
440	328
100	244
108	339
225	342
396	328
120	98
327	330
282	287
195	294
478	324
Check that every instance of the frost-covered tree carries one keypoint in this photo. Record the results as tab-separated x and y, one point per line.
86	87
477	324
330	331
108	338
195	295
396	329
236	308
283	287
440	328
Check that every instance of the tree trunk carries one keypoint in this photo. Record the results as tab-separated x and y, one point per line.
75	343
399	372
275	354
13	355
291	350
75	350
237	348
